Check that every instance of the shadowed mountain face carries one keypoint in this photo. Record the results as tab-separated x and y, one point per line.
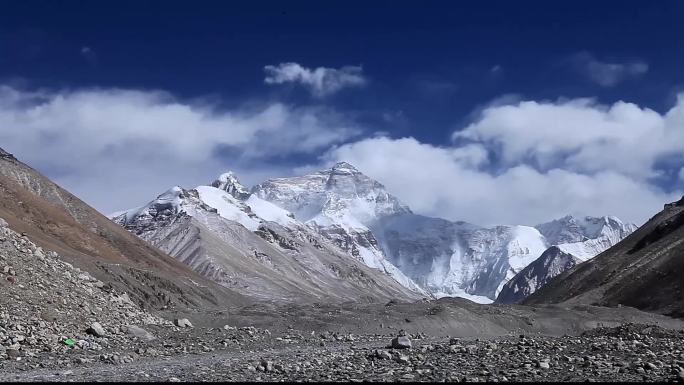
644	270
537	274
58	221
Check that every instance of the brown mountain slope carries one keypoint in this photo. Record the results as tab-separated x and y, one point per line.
645	270
57	220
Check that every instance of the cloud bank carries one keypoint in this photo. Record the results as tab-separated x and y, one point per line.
517	162
320	81
529	162
118	148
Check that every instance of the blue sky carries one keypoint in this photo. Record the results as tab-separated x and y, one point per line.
385	85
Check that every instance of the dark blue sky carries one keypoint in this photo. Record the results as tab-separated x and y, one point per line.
429	64
414	73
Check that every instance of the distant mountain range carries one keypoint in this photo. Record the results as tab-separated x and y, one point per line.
339	233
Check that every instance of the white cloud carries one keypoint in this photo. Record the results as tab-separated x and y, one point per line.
320	81
580	135
550	159
118	148
609	74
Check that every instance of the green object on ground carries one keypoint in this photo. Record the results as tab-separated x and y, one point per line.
70	342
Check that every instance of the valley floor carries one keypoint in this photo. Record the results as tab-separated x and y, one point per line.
625	353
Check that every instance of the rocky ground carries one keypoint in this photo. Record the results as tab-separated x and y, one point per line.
627	353
57	323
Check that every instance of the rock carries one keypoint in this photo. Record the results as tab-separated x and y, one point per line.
39	253
3	223
267	365
173	379
139	332
403	359
382	354
401	342
96	329
544	365
182	323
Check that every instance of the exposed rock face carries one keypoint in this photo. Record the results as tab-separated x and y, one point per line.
550	264
229	183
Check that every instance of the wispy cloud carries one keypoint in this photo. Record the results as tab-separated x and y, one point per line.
607	74
89	55
320	81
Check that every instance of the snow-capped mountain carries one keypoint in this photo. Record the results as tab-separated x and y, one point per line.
340	203
585	237
348	213
444	258
253	246
551	263
575	240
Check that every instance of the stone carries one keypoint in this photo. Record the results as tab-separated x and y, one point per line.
182	323
139	332
401	342
403	359
96	329
267	365
3	223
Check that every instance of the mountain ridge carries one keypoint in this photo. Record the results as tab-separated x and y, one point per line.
427	255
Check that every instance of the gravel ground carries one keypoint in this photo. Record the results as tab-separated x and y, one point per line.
626	353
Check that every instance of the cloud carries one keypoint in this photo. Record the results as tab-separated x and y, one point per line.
320	81
580	135
608	74
529	162
118	148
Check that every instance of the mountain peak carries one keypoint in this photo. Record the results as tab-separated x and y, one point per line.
344	167
7	155
229	183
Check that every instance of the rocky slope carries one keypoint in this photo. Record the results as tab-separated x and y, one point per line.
58	221
644	270
255	247
45	301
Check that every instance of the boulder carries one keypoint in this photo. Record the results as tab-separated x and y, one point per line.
401	342
182	323
140	333
96	329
